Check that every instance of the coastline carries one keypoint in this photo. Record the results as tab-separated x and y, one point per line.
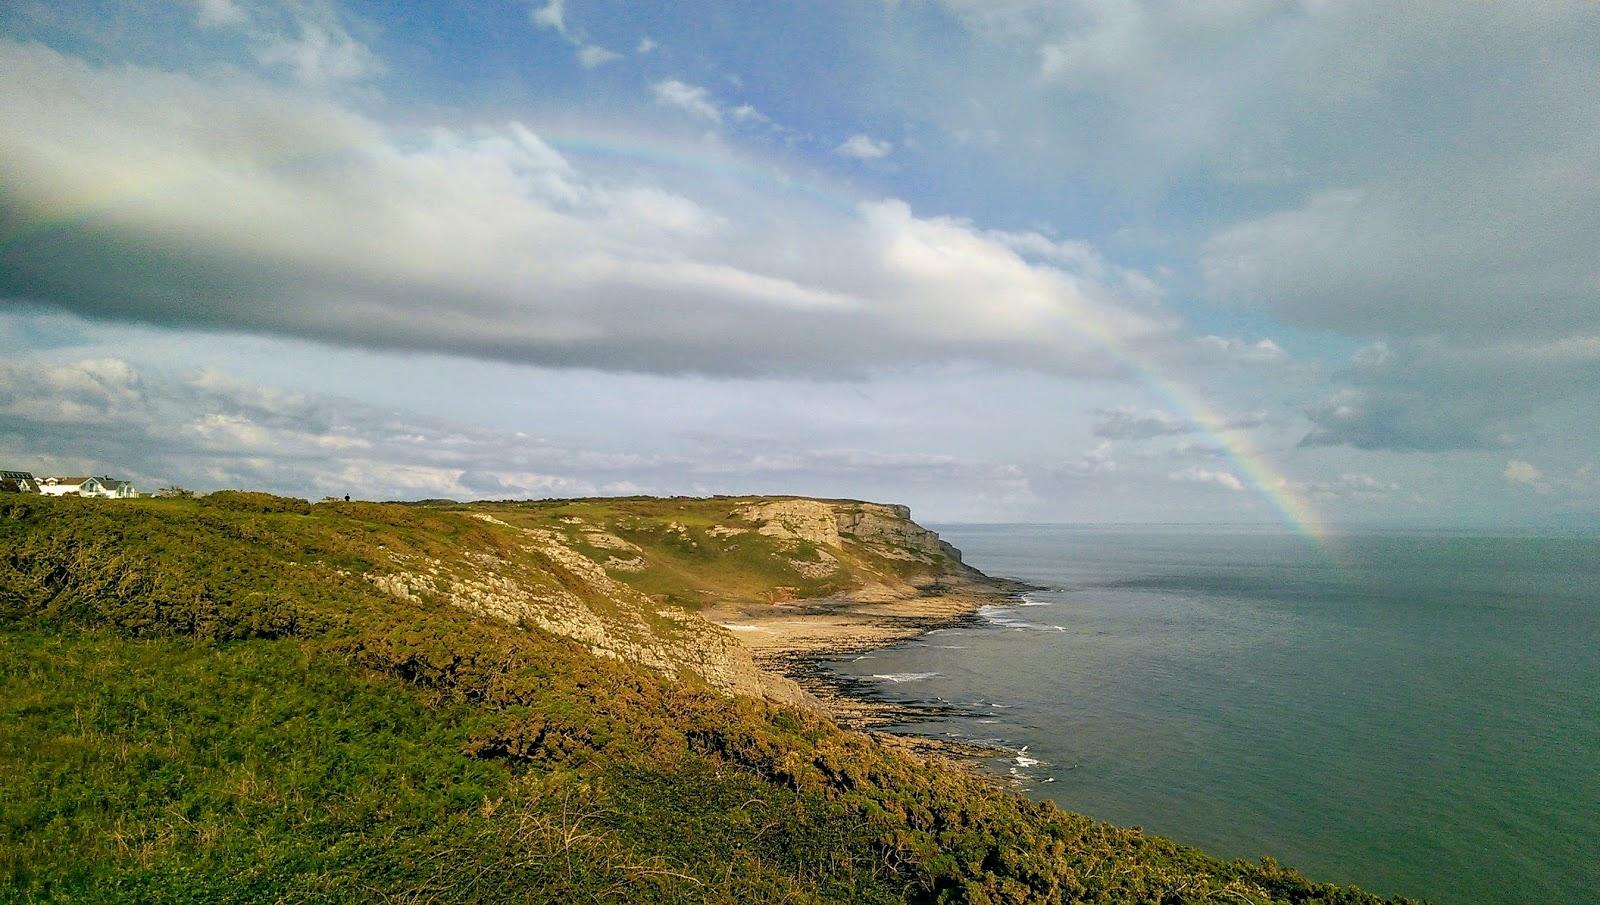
797	639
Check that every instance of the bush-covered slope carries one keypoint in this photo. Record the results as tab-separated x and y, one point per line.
220	700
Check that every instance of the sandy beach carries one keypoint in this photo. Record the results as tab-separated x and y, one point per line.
793	638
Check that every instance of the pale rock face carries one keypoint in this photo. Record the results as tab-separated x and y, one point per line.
876	523
559	589
822	567
636	564
884	529
524	594
607	541
807	520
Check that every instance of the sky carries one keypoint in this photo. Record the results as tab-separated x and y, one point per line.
1306	264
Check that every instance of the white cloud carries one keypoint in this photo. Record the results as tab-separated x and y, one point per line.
306	38
592	55
864	147
210	430
1262	351
646	45
1388	198
552	15
1200	475
1355	486
1527	474
691	99
1096	461
220	14
320	55
485	241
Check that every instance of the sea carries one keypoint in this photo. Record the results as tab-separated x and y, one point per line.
1413	712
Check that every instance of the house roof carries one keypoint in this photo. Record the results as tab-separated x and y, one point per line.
69	480
16	475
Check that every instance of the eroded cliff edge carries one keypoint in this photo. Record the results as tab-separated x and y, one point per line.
733	590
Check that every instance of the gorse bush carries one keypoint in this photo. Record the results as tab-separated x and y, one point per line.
255	501
214	703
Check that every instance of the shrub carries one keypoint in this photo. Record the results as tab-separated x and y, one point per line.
255	501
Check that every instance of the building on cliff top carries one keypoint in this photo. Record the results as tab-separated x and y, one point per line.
89	486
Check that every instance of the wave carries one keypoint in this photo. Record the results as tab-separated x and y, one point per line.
1005	617
897	678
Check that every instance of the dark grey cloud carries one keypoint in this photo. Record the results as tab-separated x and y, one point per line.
1436	395
1138	424
1478	260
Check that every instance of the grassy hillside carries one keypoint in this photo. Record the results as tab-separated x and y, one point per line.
242	698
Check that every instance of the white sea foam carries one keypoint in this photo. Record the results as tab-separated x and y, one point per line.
1001	616
897	678
1006	617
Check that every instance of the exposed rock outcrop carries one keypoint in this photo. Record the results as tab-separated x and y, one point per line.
829	523
566	593
631	579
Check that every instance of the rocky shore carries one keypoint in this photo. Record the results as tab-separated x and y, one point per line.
797	639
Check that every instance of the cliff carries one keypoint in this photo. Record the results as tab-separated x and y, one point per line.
626	577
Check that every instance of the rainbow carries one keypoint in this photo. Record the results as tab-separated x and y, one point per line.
1247	458
610	145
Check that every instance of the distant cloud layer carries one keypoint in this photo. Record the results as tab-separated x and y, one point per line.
207	430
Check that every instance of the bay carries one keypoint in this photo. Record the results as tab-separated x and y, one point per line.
1417	713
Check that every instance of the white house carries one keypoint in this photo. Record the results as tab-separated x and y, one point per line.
117	489
75	486
70	486
18	482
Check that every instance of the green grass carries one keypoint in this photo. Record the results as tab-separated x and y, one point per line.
209	703
162	770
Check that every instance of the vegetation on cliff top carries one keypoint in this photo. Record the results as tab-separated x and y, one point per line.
212	700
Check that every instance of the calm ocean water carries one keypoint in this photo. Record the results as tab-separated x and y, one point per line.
1416	713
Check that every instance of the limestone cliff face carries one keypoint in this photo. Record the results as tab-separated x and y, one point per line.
562	591
884	529
623	577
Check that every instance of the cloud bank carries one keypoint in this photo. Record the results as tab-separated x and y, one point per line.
146	195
